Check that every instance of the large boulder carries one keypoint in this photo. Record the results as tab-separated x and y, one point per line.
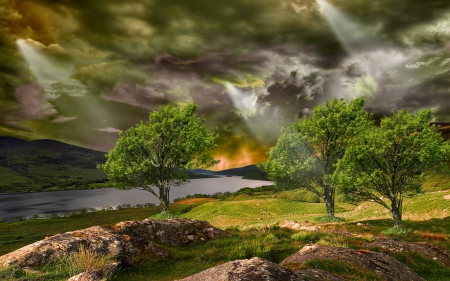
384	266
422	248
258	269
175	232
101	240
317	275
254	269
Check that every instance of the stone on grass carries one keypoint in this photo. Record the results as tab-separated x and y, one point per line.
254	269
384	266
101	240
87	276
175	232
422	248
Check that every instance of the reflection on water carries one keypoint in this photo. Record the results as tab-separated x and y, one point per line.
26	204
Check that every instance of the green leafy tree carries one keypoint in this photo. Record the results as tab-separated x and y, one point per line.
154	155
388	162
307	151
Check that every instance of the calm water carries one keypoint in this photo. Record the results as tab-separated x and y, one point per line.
26	204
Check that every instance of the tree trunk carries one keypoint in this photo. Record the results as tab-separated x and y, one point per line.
164	200
329	201
396	210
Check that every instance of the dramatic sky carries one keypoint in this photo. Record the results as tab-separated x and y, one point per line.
79	71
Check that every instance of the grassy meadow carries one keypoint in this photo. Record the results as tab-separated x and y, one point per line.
253	220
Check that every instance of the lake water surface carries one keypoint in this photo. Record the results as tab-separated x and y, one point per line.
26	204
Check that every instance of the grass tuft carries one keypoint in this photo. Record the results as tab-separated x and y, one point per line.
162	216
83	260
396	231
328	219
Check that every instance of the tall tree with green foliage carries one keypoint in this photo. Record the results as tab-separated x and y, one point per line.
154	155
388	162
307	151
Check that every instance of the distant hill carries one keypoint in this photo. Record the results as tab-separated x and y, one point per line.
47	165
247	172
44	165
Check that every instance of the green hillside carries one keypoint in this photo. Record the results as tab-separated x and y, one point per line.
47	165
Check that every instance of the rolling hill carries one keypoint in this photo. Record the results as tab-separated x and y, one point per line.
44	165
47	165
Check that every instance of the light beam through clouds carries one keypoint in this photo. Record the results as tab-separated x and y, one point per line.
353	36
252	66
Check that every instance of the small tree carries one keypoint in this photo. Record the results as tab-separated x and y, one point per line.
307	151
156	153
386	163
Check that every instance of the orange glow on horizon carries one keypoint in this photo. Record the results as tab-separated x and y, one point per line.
241	159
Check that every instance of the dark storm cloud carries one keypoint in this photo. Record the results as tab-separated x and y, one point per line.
93	68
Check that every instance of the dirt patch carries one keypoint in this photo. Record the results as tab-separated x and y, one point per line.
447	197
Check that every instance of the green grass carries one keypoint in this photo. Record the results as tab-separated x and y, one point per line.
349	272
14	235
252	221
257	212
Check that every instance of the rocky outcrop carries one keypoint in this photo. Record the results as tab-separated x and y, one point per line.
318	275
129	243
422	248
129	250
175	232
254	269
258	269
101	240
384	266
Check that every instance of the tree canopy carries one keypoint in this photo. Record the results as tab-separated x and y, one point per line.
388	162
307	151
155	154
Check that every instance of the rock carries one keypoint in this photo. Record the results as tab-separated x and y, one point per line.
102	240
138	249
111	268
254	269
298	226
310	228
384	266
317	274
87	276
175	232
422	248
291	225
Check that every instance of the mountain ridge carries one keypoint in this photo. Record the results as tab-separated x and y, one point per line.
45	165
